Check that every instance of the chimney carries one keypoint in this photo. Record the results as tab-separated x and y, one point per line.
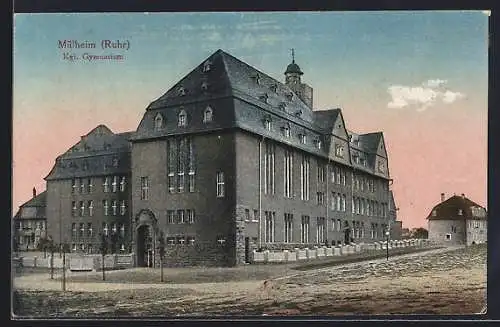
442	197
463	196
34	192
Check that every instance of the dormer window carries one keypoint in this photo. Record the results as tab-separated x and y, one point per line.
256	79
289	96
286	130
158	121
460	212
268	123
204	86
207	115
318	144
339	151
434	214
264	97
274	88
115	162
303	138
182	91
282	106
298	113
207	65
182	118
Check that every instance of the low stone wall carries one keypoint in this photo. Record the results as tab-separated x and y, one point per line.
80	262
318	253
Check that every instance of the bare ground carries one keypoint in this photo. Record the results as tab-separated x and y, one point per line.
444	281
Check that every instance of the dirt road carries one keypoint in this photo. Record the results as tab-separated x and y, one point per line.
431	282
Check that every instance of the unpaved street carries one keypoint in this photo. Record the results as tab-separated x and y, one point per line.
445	281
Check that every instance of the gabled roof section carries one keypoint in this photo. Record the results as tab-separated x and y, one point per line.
250	81
38	201
206	80
99	140
448	209
325	119
98	152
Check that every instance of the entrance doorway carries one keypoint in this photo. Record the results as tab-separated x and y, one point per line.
247	249
347	236
145	253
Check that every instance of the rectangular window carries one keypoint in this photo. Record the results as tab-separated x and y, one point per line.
82	185
73	208
304	229
144	188
190	216
180	215
320	230
105	229
114	207
247	214
170	240
122	184
288	228
90	186
342	208
220	184
255	215
190	240
304	178
105	184
343	176
171	216
269	236
89	230
82	208
73	230
339	201
321	173
181	164
320	197
115	228
122	230
338	174
191	181
269	166
105	205
81	230
123	208
339	225
288	171
73	186
172	159
181	240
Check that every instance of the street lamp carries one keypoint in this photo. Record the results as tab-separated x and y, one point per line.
387	233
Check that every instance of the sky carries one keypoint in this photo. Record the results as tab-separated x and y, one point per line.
420	77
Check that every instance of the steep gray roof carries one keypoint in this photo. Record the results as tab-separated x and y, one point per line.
33	208
242	97
100	152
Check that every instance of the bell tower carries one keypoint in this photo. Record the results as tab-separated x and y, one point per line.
293	80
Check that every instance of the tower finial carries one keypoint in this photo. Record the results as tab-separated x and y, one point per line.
293	54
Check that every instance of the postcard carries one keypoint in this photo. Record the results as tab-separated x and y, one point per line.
249	164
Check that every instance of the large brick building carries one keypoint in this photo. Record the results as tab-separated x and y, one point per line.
226	161
457	220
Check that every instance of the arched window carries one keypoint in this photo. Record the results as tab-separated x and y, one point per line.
158	121
286	130
207	65
208	115
182	118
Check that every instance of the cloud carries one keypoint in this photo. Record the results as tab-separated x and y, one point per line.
449	96
421	97
435	82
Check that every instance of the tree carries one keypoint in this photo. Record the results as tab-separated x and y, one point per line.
161	251
104	251
420	233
